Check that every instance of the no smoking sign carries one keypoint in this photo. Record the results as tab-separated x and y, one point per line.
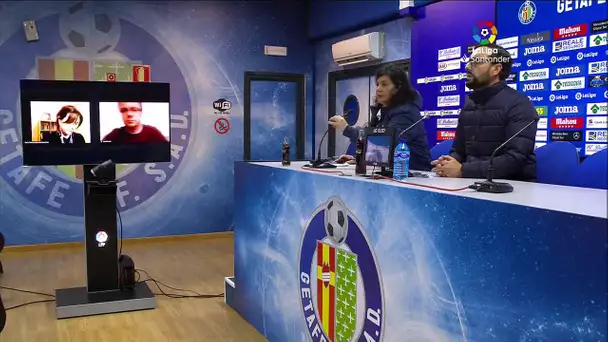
222	126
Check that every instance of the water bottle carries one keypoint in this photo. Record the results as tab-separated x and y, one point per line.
401	161
286	160
360	168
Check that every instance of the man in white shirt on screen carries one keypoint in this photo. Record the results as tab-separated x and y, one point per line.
133	131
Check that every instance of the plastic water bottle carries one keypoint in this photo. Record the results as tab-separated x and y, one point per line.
401	161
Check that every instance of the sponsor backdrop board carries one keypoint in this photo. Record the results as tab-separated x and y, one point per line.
438	60
411	265
561	65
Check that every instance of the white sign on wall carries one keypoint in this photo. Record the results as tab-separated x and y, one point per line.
406	4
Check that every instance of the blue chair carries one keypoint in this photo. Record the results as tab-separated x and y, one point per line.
556	162
441	149
593	171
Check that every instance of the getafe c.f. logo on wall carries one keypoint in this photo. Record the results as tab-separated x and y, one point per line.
340	283
93	51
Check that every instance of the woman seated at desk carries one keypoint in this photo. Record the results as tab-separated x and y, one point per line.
397	105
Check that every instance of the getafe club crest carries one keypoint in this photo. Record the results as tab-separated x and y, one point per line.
340	283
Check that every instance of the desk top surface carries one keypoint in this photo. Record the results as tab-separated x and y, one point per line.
581	201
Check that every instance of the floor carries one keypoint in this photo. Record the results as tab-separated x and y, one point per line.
198	264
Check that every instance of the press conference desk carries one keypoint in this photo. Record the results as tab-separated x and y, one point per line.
331	257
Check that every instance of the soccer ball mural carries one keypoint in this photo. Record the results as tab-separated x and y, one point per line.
89	28
336	221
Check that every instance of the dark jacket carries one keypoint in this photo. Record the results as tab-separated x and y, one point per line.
402	117
489	117
54	138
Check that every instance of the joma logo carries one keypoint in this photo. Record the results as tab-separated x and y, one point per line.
567	71
566	110
534	86
448	88
534	50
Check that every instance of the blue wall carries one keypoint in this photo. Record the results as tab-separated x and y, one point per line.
196	46
331	18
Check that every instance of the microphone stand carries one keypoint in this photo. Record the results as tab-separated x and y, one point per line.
489	185
320	163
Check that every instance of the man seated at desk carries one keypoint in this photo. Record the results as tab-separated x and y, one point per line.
492	113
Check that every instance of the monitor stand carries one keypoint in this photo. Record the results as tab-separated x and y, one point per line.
102	295
385	172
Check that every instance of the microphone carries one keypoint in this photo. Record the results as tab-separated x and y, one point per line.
426	116
489	185
319	163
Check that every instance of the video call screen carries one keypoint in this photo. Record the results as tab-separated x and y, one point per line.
378	149
134	122
60	123
87	123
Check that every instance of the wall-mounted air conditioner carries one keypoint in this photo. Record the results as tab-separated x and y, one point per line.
366	48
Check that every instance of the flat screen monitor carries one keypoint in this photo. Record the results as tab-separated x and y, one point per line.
379	147
87	123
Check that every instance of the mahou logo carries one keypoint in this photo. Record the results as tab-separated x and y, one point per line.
446	135
570	31
567	123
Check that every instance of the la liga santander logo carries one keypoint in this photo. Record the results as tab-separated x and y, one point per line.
485	33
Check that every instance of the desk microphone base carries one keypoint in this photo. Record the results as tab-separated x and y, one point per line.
78	302
321	164
492	187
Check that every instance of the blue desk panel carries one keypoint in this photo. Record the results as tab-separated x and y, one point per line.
430	266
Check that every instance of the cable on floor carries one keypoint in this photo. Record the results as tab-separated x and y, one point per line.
30	292
29	303
173	295
26	291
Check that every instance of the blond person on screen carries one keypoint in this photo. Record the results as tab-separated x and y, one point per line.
68	120
133	131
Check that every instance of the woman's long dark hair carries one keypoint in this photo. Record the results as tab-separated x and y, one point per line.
398	75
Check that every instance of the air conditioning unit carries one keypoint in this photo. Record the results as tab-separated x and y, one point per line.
366	48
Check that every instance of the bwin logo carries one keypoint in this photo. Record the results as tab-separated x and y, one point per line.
534	50
448	88
534	86
566	110
567	71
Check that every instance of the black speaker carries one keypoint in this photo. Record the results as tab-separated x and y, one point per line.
127	272
2	315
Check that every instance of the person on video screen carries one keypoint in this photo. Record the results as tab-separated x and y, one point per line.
68	120
133	130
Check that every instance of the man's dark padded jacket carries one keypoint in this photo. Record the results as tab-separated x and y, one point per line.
489	117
